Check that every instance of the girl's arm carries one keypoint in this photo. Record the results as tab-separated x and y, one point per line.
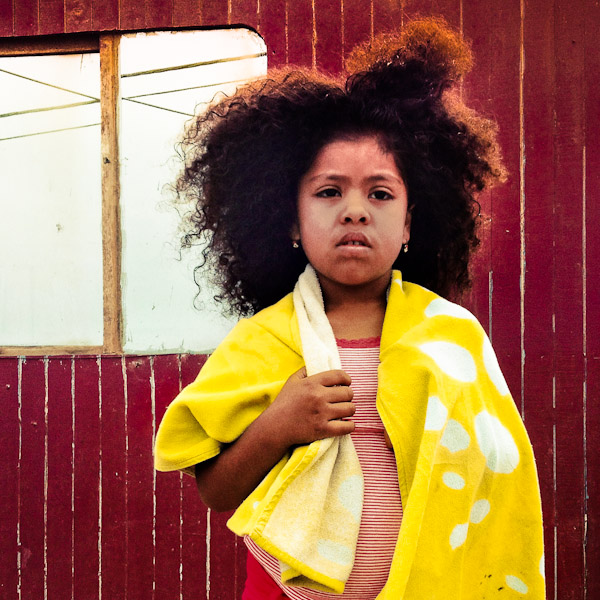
306	409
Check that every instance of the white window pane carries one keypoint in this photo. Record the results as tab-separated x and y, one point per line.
51	225
158	288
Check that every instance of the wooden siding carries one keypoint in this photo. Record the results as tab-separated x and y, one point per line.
81	510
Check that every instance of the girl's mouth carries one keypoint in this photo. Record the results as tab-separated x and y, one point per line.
354	239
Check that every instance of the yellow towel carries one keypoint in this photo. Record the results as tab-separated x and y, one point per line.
472	519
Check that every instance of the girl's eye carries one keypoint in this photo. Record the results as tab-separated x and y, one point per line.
381	195
328	193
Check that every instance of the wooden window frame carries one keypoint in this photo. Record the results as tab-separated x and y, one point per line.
107	45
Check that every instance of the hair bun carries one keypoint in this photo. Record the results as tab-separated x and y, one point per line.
427	54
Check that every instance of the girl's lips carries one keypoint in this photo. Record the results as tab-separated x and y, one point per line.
354	240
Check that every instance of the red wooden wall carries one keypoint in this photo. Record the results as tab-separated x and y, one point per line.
83	515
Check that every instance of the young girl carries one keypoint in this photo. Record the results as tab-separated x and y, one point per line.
360	425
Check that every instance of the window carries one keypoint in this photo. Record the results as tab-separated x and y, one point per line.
88	236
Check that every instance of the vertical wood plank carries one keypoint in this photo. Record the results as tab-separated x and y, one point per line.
111	190
186	13
592	299
168	489
538	100
131	15
159	13
105	14
356	21
244	12
9	476
25	17
387	16
140	480
32	480
214	12
113	440
78	15
52	17
300	32
477	17
6	18
223	563
60	468
328	23
195	539
568	294
271	24
86	479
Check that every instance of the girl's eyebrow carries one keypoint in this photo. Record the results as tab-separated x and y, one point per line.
384	176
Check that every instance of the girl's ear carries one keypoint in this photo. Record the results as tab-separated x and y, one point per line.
407	222
295	233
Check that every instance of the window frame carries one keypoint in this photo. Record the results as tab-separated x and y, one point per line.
107	45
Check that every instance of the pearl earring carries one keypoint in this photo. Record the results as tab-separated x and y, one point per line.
405	248
295	244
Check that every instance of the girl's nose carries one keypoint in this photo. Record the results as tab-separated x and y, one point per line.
355	210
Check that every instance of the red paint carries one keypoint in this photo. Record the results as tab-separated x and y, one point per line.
31	489
244	12
300	32
387	15
60	466
52	18
214	12
140	478
9	476
6	19
568	288
186	13
476	21
105	15
272	27
193	547
592	134
328	19
78	15
86	475
159	13
357	24
224	570
168	487
131	15
25	17
113	433
538	91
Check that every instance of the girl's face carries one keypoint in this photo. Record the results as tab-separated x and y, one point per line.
352	214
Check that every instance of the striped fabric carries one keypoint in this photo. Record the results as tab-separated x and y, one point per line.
382	510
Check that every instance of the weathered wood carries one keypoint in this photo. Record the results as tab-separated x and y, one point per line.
140	480
591	242
113	442
59	530
329	42
10	475
86	478
49	44
272	26
111	221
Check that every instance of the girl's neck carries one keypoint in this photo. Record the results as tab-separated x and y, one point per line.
357	317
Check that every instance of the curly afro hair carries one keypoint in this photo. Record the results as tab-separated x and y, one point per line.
245	156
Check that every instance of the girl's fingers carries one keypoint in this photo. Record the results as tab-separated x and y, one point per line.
340	428
341	410
332	378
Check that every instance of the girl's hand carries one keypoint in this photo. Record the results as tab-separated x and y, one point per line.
311	408
306	409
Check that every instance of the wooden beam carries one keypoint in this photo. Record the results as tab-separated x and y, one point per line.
49	44
111	218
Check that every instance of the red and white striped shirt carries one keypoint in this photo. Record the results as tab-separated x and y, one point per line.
382	507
